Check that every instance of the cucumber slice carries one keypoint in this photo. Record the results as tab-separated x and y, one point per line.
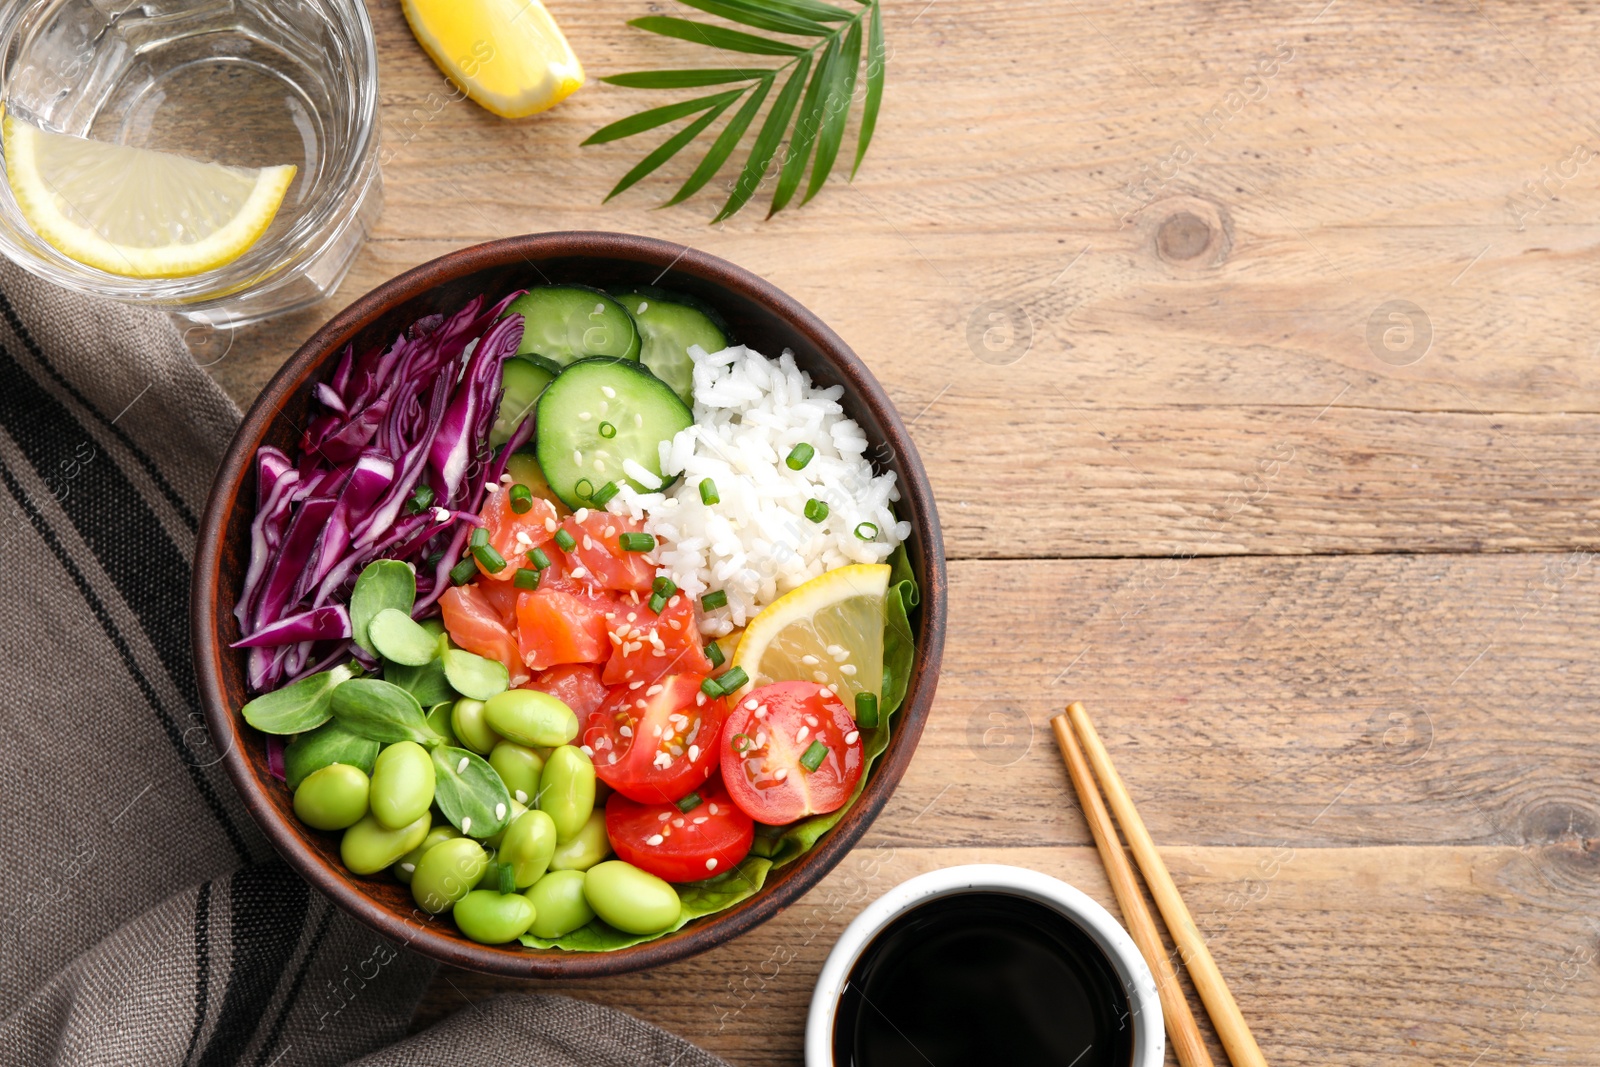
598	413
566	323
667	327
521	382
524	470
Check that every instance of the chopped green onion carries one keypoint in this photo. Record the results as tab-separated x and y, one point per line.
565	541
526	579
732	680
714	654
538	558
658	603
521	499
464	571
741	742
508	878
689	803
714	600
799	457
604	494
636	542
816	510
434	558
479	538
866	531
607	430
663	586
708	492
710	688
421	500
866	710
814	756
584	488
492	561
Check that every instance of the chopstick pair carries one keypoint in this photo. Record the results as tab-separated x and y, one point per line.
1087	762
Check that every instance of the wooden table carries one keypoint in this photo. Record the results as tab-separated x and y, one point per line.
1251	349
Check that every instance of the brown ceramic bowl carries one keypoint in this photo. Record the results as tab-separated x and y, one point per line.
760	316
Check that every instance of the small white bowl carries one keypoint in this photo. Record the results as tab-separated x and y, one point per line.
1149	1036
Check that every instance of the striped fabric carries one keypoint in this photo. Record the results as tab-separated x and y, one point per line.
143	919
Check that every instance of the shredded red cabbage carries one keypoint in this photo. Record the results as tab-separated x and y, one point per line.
415	413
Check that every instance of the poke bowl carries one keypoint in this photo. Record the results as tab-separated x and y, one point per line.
568	605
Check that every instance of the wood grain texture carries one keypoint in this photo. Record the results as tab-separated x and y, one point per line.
1329	591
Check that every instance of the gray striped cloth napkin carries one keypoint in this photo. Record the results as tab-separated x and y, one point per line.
143	919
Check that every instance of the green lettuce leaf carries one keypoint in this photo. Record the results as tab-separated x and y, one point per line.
777	846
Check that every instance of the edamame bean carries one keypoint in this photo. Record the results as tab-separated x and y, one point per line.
402	784
332	797
492	918
559	904
368	846
566	790
439	723
494	840
447	872
585	848
408	863
530	717
528	845
518	767
634	901
472	728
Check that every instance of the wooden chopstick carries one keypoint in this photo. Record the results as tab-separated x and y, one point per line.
1231	1028
1182	1030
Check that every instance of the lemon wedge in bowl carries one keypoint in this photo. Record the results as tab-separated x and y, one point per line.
134	211
829	630
507	55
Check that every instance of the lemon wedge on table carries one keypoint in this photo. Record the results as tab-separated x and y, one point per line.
508	55
134	211
829	630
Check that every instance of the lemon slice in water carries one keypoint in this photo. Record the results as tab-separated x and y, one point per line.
508	55
137	212
829	630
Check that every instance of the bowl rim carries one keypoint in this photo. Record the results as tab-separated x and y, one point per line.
1149	1032
225	727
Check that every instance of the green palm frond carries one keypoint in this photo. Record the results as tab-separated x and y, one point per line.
809	113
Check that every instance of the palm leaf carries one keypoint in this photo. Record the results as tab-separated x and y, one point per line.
759	16
669	148
837	110
657	116
877	59
812	109
723	146
766	142
716	36
683	79
805	132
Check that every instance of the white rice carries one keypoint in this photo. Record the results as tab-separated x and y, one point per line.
756	543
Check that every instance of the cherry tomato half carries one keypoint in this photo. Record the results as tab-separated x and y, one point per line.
764	740
681	846
657	743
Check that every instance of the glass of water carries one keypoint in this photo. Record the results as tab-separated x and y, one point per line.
245	83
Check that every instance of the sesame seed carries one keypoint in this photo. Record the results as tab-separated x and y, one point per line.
653	690
714	808
847	669
461	767
625	731
600	465
811	721
672	602
638	420
408	867
549	525
633	616
694	753
654	839
499	811
701	820
580	514
466	824
441	514
699	700
820	676
656	730
805	732
577	458
582	572
586	750
837	650
711	864
851	737
782	773
635	685
810	661
614	757
584	416
611	394
522	797
665	816
678	821
506	479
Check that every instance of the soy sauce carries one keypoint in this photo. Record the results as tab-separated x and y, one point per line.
983	978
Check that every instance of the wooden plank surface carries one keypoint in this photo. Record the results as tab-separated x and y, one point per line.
1323	575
